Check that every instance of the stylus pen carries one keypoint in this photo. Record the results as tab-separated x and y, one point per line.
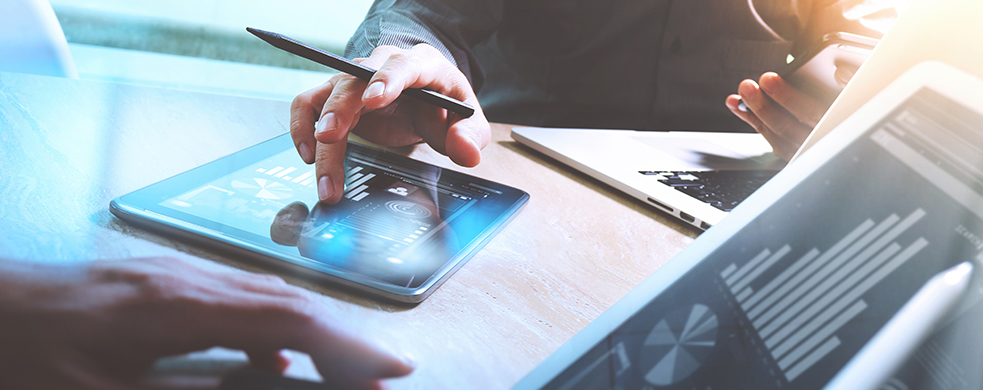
901	336
358	70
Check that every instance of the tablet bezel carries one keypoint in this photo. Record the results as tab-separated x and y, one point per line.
142	208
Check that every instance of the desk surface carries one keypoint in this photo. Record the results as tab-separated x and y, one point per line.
71	146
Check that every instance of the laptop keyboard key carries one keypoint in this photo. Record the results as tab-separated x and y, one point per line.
721	189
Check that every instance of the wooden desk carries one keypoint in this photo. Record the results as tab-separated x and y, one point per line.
69	147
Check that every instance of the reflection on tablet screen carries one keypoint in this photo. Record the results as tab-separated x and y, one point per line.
398	225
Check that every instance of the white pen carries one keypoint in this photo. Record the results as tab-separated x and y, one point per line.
905	332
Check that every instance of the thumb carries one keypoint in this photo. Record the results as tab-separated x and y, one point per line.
843	74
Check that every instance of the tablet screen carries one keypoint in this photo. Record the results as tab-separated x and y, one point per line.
791	297
400	222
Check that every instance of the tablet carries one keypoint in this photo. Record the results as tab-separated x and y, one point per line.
401	229
800	276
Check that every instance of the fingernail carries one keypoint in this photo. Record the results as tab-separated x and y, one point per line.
376	89
324	188
407	360
327	123
769	82
305	153
746	89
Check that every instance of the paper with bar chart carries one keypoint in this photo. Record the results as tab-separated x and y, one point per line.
794	294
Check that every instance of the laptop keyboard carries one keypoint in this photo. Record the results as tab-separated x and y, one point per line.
721	189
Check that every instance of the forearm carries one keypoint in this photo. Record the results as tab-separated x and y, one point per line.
450	27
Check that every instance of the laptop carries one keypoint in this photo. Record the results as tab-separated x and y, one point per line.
668	170
817	279
697	177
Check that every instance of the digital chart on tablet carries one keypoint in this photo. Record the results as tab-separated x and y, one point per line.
401	227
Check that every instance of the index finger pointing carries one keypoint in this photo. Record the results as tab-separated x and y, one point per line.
330	171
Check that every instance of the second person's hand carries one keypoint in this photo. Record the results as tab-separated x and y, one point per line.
322	118
782	114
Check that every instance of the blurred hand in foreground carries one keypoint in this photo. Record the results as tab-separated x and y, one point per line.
102	325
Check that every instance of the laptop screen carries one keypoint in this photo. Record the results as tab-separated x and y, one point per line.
790	298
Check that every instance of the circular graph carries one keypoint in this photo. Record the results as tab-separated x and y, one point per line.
409	209
264	189
678	344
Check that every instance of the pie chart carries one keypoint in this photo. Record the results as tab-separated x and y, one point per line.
263	189
678	344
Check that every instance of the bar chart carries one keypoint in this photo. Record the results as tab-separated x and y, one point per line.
355	179
798	312
284	173
356	183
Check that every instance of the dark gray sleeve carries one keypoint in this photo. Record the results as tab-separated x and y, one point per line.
451	26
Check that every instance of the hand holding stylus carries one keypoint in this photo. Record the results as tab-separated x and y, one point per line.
322	118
